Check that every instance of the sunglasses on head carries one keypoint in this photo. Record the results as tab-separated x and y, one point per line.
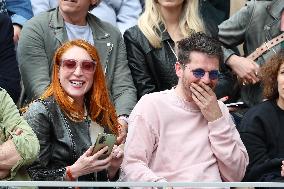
199	73
70	65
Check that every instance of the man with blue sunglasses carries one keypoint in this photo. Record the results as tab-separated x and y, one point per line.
185	134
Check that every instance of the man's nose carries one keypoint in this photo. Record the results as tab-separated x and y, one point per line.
205	79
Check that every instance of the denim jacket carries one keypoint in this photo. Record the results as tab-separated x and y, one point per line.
19	10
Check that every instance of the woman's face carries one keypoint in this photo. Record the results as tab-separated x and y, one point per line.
170	3
280	81
76	72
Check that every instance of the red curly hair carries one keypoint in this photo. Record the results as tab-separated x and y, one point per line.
97	101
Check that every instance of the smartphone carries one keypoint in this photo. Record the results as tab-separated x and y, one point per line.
237	105
103	140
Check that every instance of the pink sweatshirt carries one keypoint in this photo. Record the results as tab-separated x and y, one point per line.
170	140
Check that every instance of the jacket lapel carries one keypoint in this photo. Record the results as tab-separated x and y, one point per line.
102	41
57	25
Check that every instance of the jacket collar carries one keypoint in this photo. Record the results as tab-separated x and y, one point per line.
164	35
57	24
275	9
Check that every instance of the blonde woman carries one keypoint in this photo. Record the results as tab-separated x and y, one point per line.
151	44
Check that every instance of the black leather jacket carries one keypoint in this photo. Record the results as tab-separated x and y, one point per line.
153	69
62	142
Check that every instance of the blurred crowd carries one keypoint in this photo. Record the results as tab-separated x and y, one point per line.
142	90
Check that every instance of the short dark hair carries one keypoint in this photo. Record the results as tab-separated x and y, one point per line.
199	42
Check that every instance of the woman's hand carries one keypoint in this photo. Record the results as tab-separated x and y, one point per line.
89	163
117	157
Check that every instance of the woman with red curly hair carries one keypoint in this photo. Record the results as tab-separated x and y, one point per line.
69	116
262	126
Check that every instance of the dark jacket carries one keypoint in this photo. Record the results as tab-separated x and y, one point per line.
62	142
9	70
262	133
254	24
153	69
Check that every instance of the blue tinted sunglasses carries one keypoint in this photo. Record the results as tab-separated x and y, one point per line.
199	73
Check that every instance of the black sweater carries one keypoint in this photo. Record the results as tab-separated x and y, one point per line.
262	131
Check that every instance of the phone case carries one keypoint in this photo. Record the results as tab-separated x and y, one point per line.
103	140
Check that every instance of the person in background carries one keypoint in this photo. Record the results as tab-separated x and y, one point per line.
186	134
68	117
44	33
151	44
262	126
19	145
122	14
9	70
221	6
253	25
20	11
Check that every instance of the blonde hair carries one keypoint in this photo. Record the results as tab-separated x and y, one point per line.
99	106
150	21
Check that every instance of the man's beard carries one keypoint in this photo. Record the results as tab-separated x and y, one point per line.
186	89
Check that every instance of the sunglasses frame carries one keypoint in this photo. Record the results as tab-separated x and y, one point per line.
78	63
199	72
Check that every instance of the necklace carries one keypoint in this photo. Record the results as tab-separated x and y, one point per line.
172	50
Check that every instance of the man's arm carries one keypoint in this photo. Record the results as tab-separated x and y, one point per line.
139	146
232	33
226	144
9	155
228	148
22	145
20	11
123	90
33	59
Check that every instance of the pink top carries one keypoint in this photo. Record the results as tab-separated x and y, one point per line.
170	140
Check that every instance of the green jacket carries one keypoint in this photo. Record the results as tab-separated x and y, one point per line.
44	33
26	143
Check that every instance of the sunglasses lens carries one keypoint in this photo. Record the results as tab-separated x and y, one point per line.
69	64
88	66
198	73
213	74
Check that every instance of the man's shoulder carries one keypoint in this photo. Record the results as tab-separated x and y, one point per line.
103	26
156	97
40	19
